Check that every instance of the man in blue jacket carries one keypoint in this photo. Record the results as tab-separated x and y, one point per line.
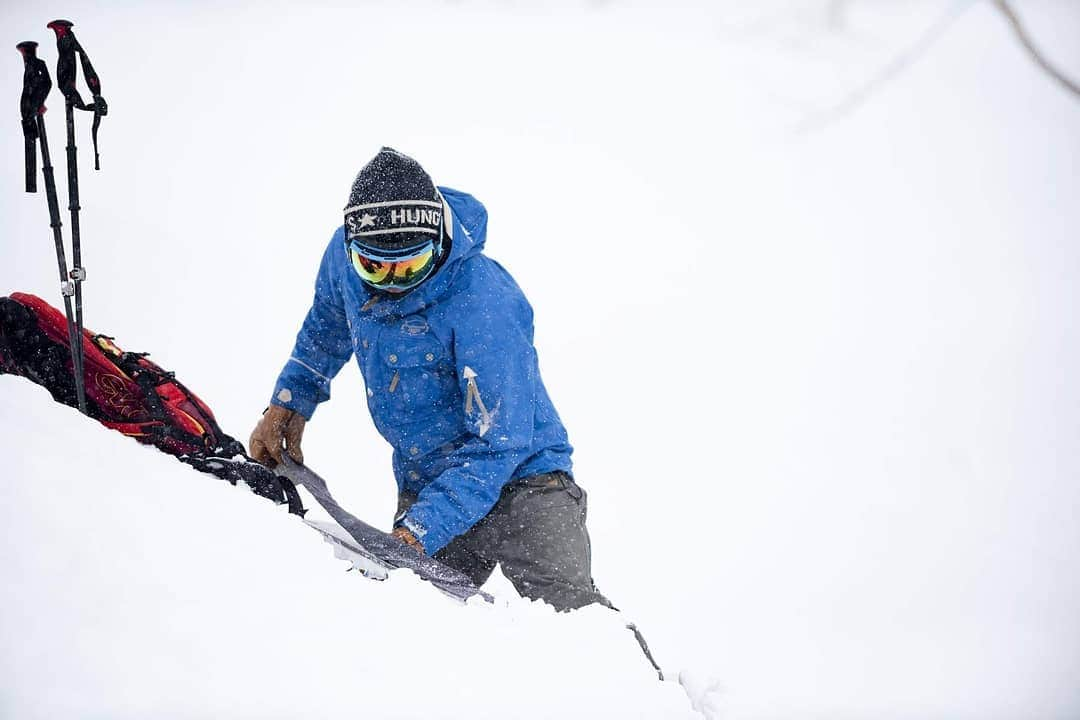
444	339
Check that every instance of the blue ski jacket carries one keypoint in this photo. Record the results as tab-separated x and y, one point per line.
452	377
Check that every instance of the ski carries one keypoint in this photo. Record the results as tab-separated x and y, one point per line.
371	544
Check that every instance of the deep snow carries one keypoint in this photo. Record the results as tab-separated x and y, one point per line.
147	590
822	394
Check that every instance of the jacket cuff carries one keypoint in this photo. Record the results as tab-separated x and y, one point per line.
288	396
427	529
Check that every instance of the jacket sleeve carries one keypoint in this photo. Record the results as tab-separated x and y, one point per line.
497	375
323	345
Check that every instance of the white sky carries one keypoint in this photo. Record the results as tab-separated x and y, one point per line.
822	394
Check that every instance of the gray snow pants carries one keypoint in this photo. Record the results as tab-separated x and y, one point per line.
536	533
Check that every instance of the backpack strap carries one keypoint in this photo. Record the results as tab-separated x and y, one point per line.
263	481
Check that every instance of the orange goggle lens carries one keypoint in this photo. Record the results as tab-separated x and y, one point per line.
398	273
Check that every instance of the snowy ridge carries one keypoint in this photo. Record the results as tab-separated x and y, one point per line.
254	598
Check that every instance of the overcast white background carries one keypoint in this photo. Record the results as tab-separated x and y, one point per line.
819	367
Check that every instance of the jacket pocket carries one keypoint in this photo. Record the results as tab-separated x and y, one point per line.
410	381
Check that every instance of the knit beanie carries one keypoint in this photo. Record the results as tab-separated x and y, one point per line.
393	205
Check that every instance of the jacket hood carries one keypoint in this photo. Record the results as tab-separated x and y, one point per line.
467	225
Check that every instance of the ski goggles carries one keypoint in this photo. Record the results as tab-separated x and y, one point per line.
394	272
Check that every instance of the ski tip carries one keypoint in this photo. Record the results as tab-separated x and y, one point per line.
60	25
26	45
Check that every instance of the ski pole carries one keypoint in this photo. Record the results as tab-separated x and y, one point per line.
36	87
66	46
67	287
78	272
632	627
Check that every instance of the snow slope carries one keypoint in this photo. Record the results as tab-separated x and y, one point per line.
147	590
822	394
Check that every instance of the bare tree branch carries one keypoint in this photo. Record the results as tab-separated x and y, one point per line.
1036	55
894	67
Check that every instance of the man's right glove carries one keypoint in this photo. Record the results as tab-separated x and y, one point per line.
280	428
405	535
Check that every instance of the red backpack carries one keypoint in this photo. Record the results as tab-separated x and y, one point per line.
126	392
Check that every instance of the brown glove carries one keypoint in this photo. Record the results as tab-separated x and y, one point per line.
405	535
279	428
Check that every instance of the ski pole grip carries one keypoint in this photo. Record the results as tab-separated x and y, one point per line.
60	26
28	49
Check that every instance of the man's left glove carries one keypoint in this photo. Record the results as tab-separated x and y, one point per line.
279	428
405	535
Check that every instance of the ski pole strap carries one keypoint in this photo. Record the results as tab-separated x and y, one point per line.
36	87
100	107
67	46
99	110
